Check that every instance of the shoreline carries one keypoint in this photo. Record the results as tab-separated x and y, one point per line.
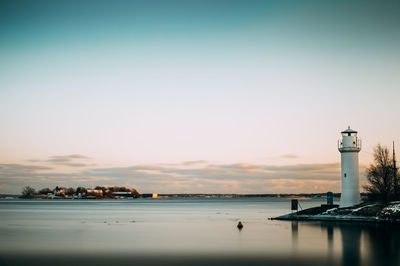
300	196
330	218
365	212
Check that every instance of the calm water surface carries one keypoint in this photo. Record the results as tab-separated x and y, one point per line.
179	231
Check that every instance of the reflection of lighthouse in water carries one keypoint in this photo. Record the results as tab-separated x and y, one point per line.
349	147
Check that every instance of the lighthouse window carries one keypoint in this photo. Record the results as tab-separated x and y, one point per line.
345	175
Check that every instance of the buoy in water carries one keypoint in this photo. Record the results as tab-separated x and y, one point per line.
240	225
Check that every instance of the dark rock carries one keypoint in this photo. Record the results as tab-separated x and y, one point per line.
240	225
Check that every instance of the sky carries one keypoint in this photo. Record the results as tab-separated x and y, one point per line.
194	96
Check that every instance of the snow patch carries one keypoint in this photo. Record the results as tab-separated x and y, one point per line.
330	211
393	209
359	209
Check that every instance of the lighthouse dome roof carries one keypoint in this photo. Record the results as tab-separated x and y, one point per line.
349	130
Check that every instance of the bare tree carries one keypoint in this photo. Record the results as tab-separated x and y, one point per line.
135	193
81	190
45	191
382	178
71	191
28	192
396	177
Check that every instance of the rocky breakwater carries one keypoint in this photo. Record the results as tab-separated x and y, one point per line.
365	212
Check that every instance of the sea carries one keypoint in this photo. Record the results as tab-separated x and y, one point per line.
185	231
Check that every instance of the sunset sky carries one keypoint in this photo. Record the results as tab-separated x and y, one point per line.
194	96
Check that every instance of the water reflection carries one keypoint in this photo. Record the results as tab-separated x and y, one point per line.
359	244
384	245
351	244
183	232
295	234
330	236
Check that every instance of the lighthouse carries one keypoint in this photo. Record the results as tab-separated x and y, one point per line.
349	147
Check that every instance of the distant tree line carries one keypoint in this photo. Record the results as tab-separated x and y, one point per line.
383	177
81	192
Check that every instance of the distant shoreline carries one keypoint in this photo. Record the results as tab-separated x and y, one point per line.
212	195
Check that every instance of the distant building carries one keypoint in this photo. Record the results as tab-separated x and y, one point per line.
60	193
122	194
95	193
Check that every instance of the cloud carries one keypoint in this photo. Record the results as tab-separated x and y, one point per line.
76	164
290	156
69	160
198	177
78	156
189	163
229	178
19	169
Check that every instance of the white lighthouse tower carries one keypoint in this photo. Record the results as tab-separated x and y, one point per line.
349	147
